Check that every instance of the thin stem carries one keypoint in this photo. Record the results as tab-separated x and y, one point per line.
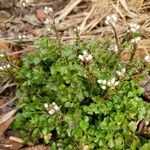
116	38
133	52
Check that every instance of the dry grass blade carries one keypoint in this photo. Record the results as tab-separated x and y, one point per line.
9	102
124	4
6	116
2	88
68	9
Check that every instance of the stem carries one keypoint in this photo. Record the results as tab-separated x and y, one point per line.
133	52
116	38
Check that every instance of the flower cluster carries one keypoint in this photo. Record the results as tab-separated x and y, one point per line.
109	83
24	3
112	83
51	108
133	27
111	20
86	57
113	48
136	39
5	67
21	36
48	10
103	83
147	58
121	72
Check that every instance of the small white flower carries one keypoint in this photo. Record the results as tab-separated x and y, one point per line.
85	57
56	108
136	40
81	57
1	68
121	72
47	21
5	67
24	2
53	103
116	83
46	105
48	10
113	48
85	52
90	57
8	66
104	82
112	19
112	81
103	87
134	27
21	36
147	58
2	55
51	112
108	83
100	81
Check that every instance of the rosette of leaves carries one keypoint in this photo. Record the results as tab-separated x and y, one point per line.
89	115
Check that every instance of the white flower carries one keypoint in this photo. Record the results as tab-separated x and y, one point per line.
100	81
8	66
147	58
103	87
21	36
51	112
113	48
56	107
136	40
112	83
2	55
46	105
47	21
24	2
85	57
134	27
52	108
1	68
85	52
81	57
5	67
116	83
121	72
104	82
48	10
112	19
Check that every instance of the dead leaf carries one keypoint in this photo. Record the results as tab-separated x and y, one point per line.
32	19
41	15
5	117
5	125
7	144
4	46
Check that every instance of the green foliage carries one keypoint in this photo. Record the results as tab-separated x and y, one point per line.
101	119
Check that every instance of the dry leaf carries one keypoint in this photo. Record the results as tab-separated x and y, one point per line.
5	117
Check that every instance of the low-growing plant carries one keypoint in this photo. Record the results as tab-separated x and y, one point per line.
82	94
71	96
